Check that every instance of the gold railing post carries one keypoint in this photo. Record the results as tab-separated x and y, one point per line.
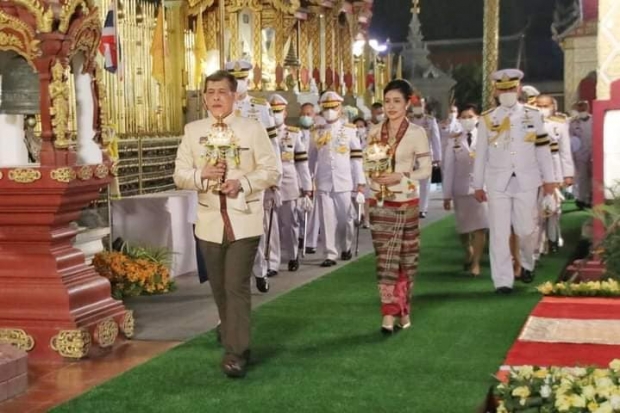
490	48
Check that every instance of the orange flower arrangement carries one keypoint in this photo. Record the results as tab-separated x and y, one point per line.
131	276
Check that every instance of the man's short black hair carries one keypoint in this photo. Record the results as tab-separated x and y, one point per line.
469	106
307	104
359	118
377	105
220	75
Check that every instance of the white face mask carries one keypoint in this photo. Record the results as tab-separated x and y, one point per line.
306	121
453	115
380	117
508	99
242	86
330	114
418	110
468	124
583	115
546	112
361	131
278	118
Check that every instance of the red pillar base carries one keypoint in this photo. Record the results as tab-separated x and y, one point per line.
52	304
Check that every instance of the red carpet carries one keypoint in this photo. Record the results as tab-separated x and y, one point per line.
569	332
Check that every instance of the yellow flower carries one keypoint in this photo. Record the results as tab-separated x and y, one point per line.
525	372
541	374
563	403
577	400
501	408
604	408
592	406
522	391
589	392
615	365
545	288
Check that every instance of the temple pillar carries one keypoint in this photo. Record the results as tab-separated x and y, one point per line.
490	49
580	59
608	47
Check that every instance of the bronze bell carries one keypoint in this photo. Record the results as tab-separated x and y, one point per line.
20	88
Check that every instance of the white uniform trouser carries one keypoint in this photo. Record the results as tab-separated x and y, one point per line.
584	181
288	214
314	223
521	208
334	210
260	265
425	194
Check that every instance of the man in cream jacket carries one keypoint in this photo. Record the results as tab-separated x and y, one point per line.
230	220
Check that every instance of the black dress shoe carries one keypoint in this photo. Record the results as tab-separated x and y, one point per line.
527	276
422	214
328	263
271	273
346	255
262	284
235	369
293	265
310	250
503	290
553	247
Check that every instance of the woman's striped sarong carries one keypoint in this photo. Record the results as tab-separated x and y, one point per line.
395	237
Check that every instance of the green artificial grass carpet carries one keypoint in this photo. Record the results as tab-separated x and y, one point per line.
318	348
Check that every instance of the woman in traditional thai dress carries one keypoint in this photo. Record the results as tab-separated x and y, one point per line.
471	215
394	221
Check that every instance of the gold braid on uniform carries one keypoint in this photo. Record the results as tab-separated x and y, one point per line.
356	154
301	156
542	140
422	155
272	132
555	147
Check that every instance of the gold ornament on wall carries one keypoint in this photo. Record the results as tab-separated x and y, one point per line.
85	173
59	95
44	16
128	324
24	176
16	337
106	333
68	10
73	344
64	175
26	44
101	171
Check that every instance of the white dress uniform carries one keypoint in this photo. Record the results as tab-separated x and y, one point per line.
449	128
335	156
458	168
429	123
295	178
513	159
312	228
563	167
581	130
260	110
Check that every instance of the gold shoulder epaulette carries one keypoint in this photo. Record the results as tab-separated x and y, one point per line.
557	118
350	125
561	115
292	128
530	107
258	101
486	112
429	117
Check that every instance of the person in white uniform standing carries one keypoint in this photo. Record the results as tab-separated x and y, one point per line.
308	132
335	156
556	126
581	131
513	160
458	164
258	109
429	123
296	183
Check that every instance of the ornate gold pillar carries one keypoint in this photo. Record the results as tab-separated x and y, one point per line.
347	56
211	29
315	40
233	28
177	66
608	46
490	48
304	56
329	50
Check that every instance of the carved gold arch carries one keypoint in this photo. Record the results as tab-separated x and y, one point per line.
69	8
17	36
237	5
44	16
86	35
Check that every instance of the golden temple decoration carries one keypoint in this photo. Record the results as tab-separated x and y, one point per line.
16	337
128	324
197	6
17	36
101	171
59	95
257	45
238	5
24	176
106	333
87	38
233	27
65	174
212	23
68	10
73	344
85	173
43	15
286	6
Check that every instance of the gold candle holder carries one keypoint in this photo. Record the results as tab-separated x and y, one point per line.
221	146
377	160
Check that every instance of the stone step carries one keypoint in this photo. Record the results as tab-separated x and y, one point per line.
13	371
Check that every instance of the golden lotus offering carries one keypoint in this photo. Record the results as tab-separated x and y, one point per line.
378	161
221	146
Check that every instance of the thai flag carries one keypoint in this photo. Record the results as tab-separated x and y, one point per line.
110	46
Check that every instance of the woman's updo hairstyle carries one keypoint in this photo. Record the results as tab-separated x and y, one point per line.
402	86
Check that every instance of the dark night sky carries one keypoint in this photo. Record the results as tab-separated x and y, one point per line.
459	19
